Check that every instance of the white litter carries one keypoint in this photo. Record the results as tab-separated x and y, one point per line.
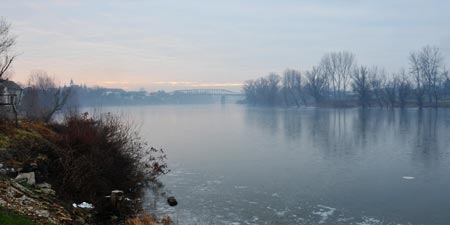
408	178
83	205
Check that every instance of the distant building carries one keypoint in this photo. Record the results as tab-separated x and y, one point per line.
9	92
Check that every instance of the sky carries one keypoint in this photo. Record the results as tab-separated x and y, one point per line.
168	44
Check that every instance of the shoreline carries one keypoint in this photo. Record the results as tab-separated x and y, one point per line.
30	177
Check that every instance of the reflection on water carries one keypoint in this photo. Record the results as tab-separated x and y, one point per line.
246	165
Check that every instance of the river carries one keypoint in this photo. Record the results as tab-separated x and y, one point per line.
235	164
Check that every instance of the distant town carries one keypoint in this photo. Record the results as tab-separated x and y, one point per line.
83	95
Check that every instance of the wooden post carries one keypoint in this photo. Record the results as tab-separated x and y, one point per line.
116	198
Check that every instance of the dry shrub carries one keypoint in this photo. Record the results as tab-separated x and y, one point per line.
98	155
148	220
136	222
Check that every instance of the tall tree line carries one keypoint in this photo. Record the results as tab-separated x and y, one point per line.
338	81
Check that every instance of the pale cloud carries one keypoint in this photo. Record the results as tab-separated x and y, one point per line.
198	43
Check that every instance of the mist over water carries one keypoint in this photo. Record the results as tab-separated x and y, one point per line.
234	164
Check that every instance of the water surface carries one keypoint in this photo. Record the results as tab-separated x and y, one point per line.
234	164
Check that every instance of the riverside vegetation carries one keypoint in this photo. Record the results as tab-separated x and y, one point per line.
79	160
339	82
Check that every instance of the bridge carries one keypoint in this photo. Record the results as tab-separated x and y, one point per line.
211	92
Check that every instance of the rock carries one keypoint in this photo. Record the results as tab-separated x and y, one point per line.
65	219
172	201
25	202
29	177
3	171
1	165
42	213
47	191
44	185
38	207
45	188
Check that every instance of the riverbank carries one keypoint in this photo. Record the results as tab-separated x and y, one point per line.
36	205
80	171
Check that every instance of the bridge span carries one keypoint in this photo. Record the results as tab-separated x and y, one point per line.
211	92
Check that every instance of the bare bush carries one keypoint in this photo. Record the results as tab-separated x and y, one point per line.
100	155
43	97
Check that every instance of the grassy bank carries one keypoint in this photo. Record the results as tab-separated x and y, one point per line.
82	159
7	217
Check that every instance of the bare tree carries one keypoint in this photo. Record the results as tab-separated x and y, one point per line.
273	80
292	86
426	65
43	97
416	72
250	91
403	87
317	83
338	67
7	41
263	91
377	81
391	92
361	85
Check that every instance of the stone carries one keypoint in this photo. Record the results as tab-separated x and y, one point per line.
44	185
3	171
25	201
172	201
29	177
47	191
1	165
42	213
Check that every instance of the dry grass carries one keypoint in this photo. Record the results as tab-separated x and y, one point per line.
148	220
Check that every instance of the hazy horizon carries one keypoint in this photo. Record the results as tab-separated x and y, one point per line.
174	45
